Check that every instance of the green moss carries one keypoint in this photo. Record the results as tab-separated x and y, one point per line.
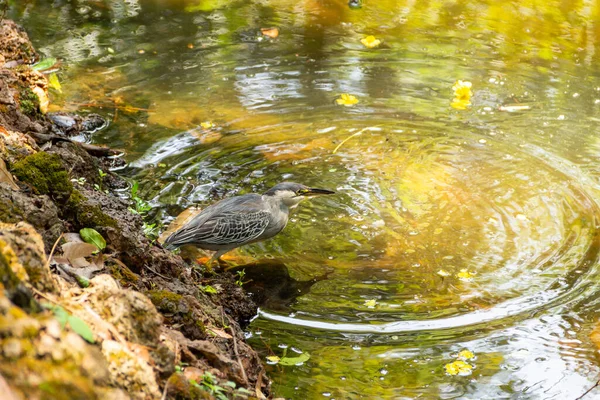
164	300
45	173
8	279
181	388
201	325
85	215
58	380
123	275
29	103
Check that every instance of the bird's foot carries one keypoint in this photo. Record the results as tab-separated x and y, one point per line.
227	265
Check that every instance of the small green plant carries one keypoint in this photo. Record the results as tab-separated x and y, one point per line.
98	186
80	181
240	280
151	231
210	384
77	324
207	289
180	367
141	207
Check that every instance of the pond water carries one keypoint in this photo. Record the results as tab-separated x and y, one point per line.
451	230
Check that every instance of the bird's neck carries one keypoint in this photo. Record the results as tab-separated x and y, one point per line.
280	209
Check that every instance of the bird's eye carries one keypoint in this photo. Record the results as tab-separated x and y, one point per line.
300	192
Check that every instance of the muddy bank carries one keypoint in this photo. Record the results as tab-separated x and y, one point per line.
126	320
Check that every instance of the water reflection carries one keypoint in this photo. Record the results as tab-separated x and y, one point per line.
425	191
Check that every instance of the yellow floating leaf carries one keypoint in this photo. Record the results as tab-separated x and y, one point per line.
460	104
273	359
371	303
462	90
54	83
459	368
466	355
270	32
370	41
465	275
347	100
462	95
207	125
441	272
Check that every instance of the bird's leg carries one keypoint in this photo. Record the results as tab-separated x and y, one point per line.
213	258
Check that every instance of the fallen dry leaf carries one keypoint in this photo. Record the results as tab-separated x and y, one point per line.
220	333
6	176
43	97
270	32
76	253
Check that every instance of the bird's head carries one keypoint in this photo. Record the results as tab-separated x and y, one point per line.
291	193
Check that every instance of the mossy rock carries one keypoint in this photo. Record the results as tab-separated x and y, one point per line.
29	102
84	214
165	301
38	210
46	174
123	274
179	387
181	310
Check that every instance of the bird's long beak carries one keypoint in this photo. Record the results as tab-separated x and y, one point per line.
315	192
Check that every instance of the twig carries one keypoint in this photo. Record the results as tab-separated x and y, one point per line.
153	271
235	349
164	394
52	251
98	151
589	390
353	135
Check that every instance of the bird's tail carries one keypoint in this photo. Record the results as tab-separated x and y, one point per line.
168	243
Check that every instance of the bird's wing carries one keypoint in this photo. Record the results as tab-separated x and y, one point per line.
218	226
233	228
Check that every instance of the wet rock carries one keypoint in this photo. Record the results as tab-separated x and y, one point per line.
71	125
38	210
183	311
234	299
81	164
